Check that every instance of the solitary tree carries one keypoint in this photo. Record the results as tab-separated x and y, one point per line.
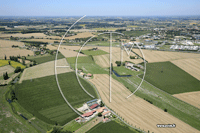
99	114
5	76
101	105
5	57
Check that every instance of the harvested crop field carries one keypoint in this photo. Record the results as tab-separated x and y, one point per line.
7	69
6	49
135	110
68	51
104	60
192	98
24	35
14	52
81	35
191	66
162	56
8	43
44	69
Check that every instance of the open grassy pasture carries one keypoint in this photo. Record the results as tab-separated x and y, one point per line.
42	98
87	64
109	127
170	78
13	63
9	121
93	53
45	58
191	66
135	33
141	113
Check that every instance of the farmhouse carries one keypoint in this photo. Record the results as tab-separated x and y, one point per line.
100	110
87	116
91	102
94	106
107	113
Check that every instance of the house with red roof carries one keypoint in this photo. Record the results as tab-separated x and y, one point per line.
94	106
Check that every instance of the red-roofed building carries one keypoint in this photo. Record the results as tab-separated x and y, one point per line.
94	106
88	114
100	110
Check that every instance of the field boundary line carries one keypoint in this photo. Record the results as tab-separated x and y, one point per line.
166	92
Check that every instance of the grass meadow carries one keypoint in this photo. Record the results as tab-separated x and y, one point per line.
111	126
170	78
42	98
93	53
45	58
87	64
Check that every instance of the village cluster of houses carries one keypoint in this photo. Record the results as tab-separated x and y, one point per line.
84	75
90	109
131	66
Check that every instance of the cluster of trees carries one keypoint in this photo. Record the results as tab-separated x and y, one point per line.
15	46
14	38
132	57
5	76
13	58
148	101
119	63
18	69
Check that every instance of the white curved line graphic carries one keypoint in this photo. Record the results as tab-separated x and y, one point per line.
78	56
144	72
56	67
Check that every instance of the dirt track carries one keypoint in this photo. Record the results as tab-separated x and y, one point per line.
192	98
135	110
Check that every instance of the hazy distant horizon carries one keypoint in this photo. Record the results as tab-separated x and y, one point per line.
100	8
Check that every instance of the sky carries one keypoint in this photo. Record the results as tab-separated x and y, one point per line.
99	7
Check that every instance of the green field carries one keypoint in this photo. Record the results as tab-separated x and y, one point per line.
111	127
42	98
87	64
135	33
93	53
13	63
10	121
172	80
45	58
179	109
125	71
